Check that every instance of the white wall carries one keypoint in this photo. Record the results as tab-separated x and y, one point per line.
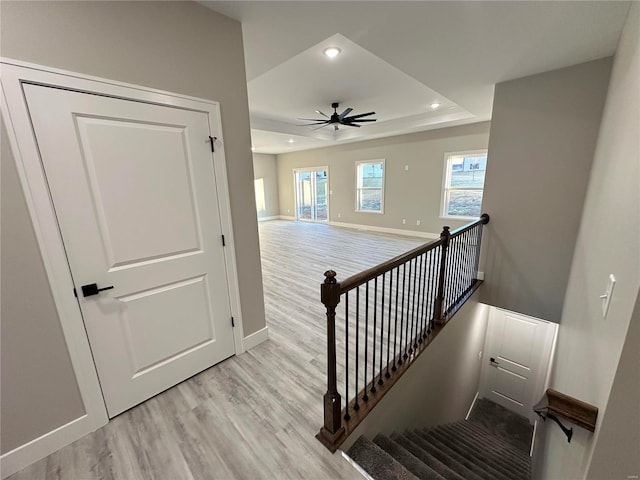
543	137
589	347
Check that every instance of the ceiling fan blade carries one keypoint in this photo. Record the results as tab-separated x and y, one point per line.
352	117
351	125
364	120
312	119
321	126
345	113
311	124
323	114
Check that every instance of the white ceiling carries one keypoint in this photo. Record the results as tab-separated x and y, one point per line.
399	57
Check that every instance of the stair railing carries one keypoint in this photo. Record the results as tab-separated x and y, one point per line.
390	313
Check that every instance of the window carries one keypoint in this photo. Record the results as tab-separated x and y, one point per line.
261	204
463	184
370	186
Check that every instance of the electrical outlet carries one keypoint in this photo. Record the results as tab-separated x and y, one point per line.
288	210
417	222
406	168
339	215
404	221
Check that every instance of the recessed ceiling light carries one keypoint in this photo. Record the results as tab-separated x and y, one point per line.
332	52
291	140
435	105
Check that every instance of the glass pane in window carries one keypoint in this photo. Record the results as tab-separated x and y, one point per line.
468	171
258	184
321	195
370	200
465	203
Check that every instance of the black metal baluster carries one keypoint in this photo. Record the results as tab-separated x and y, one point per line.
389	325
365	397
414	318
346	355
380	382
396	331
433	285
375	318
404	278
405	310
423	314
356	406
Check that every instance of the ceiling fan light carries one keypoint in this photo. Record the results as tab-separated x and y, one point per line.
331	52
290	140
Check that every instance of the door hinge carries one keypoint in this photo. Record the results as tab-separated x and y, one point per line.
212	140
75	293
223	242
233	323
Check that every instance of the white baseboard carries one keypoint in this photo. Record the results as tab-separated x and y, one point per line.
471	407
286	217
266	219
255	338
480	275
396	231
39	448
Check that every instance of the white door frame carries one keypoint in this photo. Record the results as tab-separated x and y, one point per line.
25	150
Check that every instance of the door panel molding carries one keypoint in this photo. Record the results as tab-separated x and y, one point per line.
25	150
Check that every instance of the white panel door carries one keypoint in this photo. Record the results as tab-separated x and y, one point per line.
134	190
516	360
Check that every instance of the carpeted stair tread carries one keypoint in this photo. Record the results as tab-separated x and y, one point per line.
452	463
487	445
378	463
499	442
481	468
481	445
428	459
501	422
406	458
475	453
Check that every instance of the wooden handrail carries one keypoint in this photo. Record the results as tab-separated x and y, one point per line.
363	277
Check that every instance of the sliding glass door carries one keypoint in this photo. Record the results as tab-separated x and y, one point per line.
311	194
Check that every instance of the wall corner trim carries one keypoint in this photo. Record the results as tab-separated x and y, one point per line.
255	338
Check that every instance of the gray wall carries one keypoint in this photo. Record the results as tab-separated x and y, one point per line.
39	389
440	387
589	347
176	46
266	167
412	194
543	135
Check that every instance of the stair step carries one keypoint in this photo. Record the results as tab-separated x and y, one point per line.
475	464
410	462
475	453
378	463
452	463
428	459
490	446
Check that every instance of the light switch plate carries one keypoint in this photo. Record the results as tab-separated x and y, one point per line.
606	298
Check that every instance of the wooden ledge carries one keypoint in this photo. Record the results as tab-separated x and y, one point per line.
576	411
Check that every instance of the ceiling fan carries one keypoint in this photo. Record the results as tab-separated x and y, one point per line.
337	119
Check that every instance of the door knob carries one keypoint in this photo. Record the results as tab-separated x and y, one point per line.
92	289
493	361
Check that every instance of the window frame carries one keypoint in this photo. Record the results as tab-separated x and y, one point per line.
446	182
359	188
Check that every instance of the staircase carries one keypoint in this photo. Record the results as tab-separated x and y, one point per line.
462	450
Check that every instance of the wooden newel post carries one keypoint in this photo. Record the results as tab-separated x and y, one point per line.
437	308
330	296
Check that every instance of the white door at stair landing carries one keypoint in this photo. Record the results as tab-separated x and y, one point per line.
516	359
134	190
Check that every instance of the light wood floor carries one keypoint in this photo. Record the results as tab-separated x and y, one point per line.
253	416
